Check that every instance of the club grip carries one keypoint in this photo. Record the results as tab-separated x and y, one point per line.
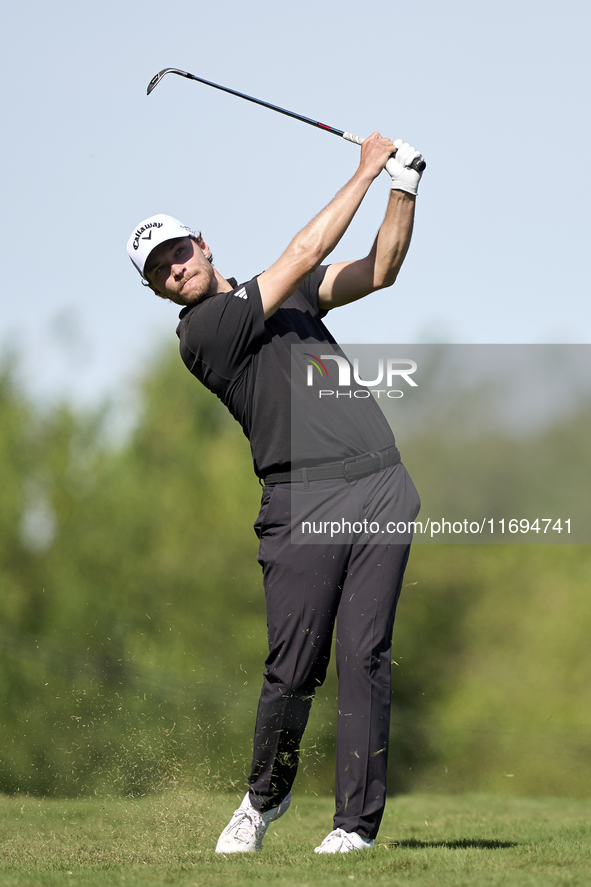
418	163
351	138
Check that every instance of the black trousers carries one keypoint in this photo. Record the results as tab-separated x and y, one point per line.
307	588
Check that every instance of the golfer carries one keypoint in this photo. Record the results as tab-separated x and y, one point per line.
237	340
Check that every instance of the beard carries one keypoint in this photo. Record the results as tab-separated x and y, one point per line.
198	286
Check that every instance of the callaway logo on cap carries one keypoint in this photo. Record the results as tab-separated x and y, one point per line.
151	233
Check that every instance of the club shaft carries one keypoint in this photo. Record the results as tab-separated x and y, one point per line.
418	163
249	98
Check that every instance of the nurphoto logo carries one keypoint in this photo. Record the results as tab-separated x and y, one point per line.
389	370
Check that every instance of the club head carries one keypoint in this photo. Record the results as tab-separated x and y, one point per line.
158	77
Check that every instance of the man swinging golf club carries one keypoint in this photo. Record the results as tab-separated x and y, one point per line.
236	339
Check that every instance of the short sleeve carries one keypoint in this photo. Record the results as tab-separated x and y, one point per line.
309	289
221	334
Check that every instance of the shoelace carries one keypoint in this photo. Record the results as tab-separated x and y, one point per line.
340	836
241	826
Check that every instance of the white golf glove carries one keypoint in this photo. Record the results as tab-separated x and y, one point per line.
404	178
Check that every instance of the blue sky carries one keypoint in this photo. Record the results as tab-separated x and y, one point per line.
495	95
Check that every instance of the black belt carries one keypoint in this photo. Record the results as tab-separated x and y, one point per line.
350	469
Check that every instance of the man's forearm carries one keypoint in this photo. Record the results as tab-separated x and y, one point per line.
320	236
393	239
346	282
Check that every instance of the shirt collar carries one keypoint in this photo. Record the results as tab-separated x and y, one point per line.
231	280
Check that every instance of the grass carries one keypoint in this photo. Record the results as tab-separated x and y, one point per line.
169	839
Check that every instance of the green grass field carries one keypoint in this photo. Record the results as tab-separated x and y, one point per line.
169	839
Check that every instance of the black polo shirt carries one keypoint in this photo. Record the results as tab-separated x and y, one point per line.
247	362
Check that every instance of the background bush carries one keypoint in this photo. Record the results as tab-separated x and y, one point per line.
132	627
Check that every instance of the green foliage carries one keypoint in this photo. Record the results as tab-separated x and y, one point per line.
515	714
111	612
132	634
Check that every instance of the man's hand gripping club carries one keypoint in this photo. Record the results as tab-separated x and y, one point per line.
398	162
404	178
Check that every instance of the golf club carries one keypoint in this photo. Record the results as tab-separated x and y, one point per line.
418	163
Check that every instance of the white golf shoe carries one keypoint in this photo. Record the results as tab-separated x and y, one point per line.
246	830
340	841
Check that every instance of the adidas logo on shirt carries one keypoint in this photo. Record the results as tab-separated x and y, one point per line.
241	293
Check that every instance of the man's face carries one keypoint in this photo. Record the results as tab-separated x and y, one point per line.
179	271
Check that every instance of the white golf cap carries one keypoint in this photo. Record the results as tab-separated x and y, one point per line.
151	233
